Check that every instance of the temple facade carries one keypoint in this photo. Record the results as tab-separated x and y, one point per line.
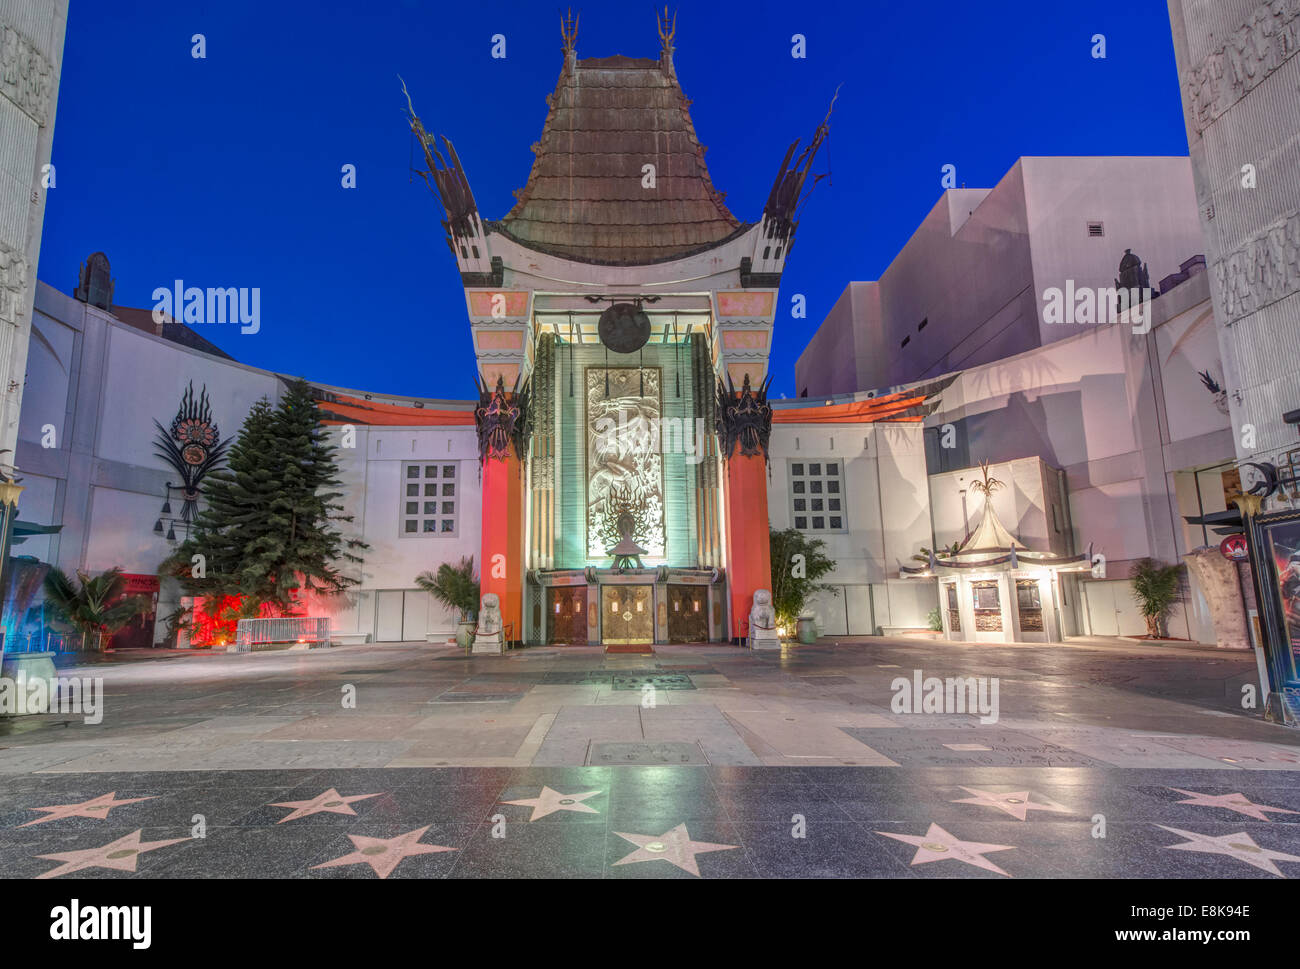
621	318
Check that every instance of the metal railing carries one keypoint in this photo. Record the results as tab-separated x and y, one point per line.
297	630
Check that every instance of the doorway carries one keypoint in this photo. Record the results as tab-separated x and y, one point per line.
688	614
627	614
566	615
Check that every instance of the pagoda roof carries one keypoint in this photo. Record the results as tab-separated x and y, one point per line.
584	198
991	535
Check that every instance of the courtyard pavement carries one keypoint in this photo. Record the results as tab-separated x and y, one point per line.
415	760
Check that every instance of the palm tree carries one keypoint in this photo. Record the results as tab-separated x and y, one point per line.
455	587
1155	587
93	605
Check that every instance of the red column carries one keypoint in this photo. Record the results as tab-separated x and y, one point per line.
749	552
502	555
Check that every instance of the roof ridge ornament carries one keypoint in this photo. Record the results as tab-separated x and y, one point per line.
445	178
788	195
569	31
667	31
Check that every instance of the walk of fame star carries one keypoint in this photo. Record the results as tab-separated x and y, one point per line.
96	807
674	846
331	801
938	845
1233	802
120	855
1240	846
385	854
1017	805
549	801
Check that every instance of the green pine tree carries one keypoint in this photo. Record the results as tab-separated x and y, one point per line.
269	528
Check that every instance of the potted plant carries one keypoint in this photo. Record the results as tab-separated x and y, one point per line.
455	587
797	564
94	606
1155	587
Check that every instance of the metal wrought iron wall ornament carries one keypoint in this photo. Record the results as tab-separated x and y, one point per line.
745	420
502	421
192	447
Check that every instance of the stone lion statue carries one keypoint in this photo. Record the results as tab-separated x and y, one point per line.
762	622
487	635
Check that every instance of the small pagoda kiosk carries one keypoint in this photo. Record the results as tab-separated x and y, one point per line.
993	588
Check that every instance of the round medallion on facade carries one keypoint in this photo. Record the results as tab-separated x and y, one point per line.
624	328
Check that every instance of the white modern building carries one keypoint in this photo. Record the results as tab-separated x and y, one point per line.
1108	429
967	288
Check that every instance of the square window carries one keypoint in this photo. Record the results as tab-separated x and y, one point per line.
801	504
430	524
836	522
832	504
413	491
832	469
796	469
411	525
819	522
800	522
448	525
798	487
833	487
431	471
448	490
431	508
817	505
449	507
816	487
430	490
412	507
449	470
814	469
413	471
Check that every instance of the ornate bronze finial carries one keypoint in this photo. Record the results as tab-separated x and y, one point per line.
569	30
667	30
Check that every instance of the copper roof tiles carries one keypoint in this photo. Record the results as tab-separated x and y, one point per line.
585	198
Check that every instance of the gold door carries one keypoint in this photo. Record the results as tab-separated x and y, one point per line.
627	614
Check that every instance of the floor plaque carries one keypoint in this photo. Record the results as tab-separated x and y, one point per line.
643	754
660	681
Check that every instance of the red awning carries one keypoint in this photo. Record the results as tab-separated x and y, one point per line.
891	408
350	410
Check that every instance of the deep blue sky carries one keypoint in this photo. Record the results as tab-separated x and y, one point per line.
226	171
